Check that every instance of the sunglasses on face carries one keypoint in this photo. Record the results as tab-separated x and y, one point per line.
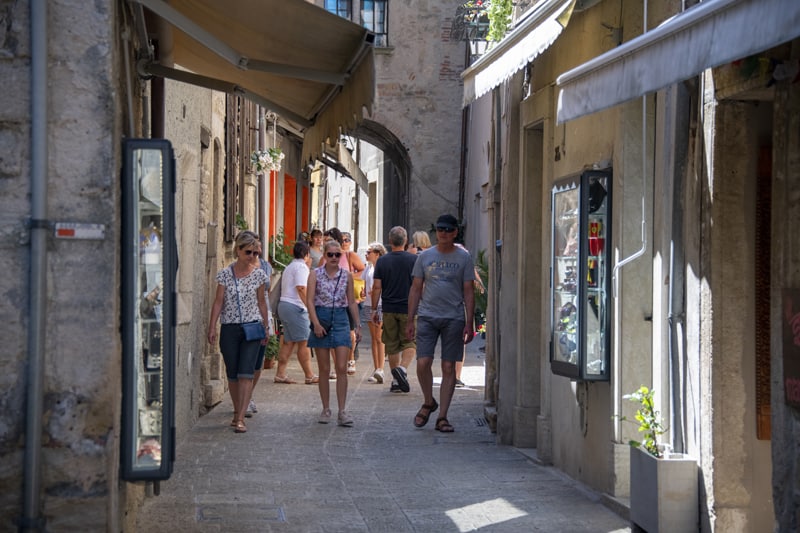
252	252
334	254
445	230
345	240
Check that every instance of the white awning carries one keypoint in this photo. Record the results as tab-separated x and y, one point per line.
311	67
707	35
534	35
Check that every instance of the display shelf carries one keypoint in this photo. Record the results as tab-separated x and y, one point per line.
581	276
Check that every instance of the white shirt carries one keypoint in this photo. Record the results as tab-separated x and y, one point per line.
295	275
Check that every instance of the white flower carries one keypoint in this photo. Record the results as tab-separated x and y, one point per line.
267	160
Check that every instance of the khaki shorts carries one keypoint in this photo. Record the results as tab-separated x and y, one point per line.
394	333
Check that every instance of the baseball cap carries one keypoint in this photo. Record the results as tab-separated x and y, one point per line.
447	221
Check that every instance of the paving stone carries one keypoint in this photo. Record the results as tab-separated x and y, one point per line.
290	474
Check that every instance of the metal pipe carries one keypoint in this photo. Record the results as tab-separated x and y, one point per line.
31	519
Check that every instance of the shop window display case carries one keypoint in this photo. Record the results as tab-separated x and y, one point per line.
580	276
149	265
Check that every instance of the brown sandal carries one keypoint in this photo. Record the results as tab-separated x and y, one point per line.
240	427
444	426
422	416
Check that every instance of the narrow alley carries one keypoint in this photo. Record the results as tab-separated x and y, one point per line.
289	473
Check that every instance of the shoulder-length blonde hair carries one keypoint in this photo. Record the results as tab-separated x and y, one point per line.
421	240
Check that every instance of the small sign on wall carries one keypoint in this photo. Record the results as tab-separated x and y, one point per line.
791	346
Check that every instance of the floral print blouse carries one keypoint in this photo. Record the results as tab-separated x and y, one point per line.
324	295
247	286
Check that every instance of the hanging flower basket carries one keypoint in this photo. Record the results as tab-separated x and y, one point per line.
267	160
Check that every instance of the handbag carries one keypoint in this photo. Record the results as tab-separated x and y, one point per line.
327	325
253	331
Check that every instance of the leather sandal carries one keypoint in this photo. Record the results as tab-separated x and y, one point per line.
444	426
287	380
312	380
423	416
240	427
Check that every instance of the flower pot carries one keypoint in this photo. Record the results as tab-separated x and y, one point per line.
269	363
664	492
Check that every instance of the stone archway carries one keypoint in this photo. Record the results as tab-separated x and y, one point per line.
397	172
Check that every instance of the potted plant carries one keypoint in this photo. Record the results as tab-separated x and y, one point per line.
273	347
663	485
267	160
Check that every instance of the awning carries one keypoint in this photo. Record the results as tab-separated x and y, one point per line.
543	24
311	67
707	35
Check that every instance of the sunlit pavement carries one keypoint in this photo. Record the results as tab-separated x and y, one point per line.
290	473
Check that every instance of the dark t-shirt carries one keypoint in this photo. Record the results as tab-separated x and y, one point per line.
394	270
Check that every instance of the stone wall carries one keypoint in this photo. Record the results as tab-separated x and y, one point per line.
82	355
419	101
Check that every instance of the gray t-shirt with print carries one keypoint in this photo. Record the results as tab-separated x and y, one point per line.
444	276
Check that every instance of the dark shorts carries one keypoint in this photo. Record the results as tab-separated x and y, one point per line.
394	333
240	356
450	330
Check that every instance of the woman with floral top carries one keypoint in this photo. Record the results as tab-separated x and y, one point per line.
329	297
240	298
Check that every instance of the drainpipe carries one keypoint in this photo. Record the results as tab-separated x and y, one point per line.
31	519
636	255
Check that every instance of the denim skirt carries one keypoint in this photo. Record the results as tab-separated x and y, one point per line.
339	334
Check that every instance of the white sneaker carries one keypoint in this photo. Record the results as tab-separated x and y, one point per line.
325	416
377	376
252	407
345	419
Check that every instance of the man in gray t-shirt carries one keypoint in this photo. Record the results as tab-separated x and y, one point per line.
443	301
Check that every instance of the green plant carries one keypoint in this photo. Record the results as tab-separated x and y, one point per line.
649	420
280	251
482	295
499	19
273	347
240	222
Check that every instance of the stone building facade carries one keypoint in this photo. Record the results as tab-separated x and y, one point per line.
73	94
702	168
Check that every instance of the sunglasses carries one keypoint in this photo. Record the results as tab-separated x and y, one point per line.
252	252
334	254
445	230
345	240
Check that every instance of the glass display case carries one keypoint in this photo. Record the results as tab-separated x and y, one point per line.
580	276
149	264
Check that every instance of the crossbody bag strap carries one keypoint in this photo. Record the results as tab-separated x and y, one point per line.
333	300
238	303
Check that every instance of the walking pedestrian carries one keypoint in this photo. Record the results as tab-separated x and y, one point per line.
240	299
356	267
329	298
264	265
443	301
390	286
376	251
294	316
316	246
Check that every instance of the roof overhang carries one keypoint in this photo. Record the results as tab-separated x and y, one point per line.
706	35
534	34
309	66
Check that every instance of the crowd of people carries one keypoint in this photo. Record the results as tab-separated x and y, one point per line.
409	297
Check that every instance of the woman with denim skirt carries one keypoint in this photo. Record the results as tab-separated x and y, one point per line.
329	297
240	299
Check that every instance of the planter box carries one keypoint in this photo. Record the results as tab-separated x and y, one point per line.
664	492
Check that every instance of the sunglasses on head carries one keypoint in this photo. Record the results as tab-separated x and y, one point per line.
334	254
444	229
252	252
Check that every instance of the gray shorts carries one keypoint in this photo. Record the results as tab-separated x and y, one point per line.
450	330
294	320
